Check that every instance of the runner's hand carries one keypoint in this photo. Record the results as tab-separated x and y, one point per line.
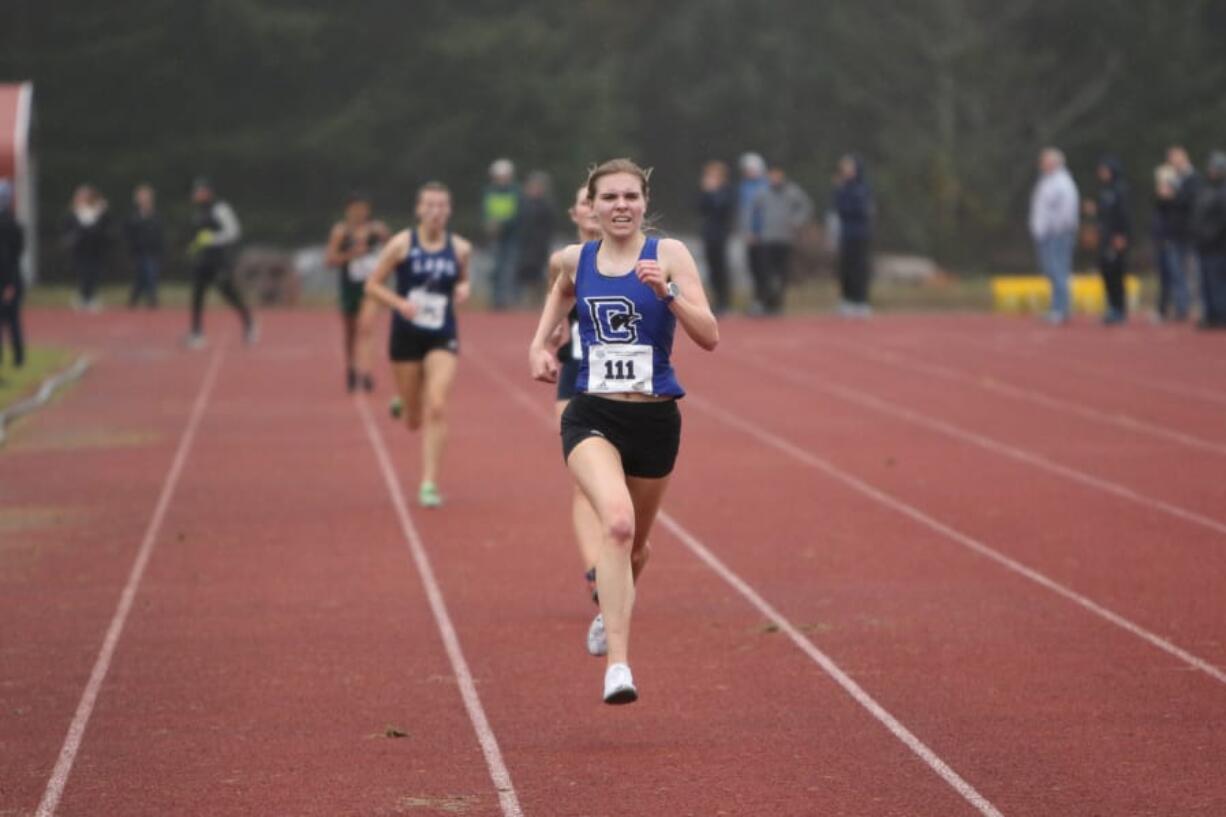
544	364
651	274
407	309
462	291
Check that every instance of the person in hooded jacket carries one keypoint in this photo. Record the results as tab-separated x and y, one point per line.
1114	237
12	286
853	203
1209	232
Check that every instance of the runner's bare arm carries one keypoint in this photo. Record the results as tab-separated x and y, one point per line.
392	254
561	333
691	307
463	254
333	256
543	361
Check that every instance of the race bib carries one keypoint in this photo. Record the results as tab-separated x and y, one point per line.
431	309
361	268
620	368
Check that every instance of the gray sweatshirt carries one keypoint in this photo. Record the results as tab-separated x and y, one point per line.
782	211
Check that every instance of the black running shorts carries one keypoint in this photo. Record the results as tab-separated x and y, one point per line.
646	435
408	344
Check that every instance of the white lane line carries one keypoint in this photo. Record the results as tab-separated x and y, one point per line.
814	461
857	692
1109	371
867	400
85	708
1032	396
827	665
451	642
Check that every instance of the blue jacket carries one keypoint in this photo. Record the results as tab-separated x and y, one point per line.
853	201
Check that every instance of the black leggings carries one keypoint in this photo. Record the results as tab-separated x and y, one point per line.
1112	267
853	270
203	276
776	258
10	323
717	265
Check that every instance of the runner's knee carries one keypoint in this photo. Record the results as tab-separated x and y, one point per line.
619	526
435	410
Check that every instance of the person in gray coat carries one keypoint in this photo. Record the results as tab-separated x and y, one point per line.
781	208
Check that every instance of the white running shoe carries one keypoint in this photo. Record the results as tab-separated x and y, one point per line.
194	341
597	642
619	685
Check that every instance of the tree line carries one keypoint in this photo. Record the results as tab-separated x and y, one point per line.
288	104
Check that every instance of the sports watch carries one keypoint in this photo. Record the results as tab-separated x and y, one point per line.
673	291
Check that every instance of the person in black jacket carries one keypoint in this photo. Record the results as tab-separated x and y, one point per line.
87	237
12	287
143	231
1209	232
1114	237
717	206
853	203
215	235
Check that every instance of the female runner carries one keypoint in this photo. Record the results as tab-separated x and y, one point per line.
587	526
622	430
431	267
352	248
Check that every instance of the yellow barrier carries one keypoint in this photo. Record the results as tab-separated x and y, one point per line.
1032	293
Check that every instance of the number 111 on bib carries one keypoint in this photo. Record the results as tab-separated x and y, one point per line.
620	368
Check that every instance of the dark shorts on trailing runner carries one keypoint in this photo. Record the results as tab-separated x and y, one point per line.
351	295
646	435
568	378
408	344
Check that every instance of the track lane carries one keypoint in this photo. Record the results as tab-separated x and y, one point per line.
281	629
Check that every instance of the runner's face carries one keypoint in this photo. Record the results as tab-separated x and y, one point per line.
357	212
584	216
620	204
433	210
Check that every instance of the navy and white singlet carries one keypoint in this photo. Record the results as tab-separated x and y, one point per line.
625	331
428	280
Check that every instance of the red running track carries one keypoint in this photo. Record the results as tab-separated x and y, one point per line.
910	602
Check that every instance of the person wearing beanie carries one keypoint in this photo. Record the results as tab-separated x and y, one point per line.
1114	237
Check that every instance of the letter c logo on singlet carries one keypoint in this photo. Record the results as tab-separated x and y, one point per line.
615	319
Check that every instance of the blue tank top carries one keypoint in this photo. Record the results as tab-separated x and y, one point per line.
428	280
626	332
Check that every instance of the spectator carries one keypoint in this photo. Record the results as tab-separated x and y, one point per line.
501	206
143	230
87	238
1053	225
854	208
12	286
1172	287
537	216
1114	237
717	206
753	180
1183	257
215	235
781	208
1209	232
